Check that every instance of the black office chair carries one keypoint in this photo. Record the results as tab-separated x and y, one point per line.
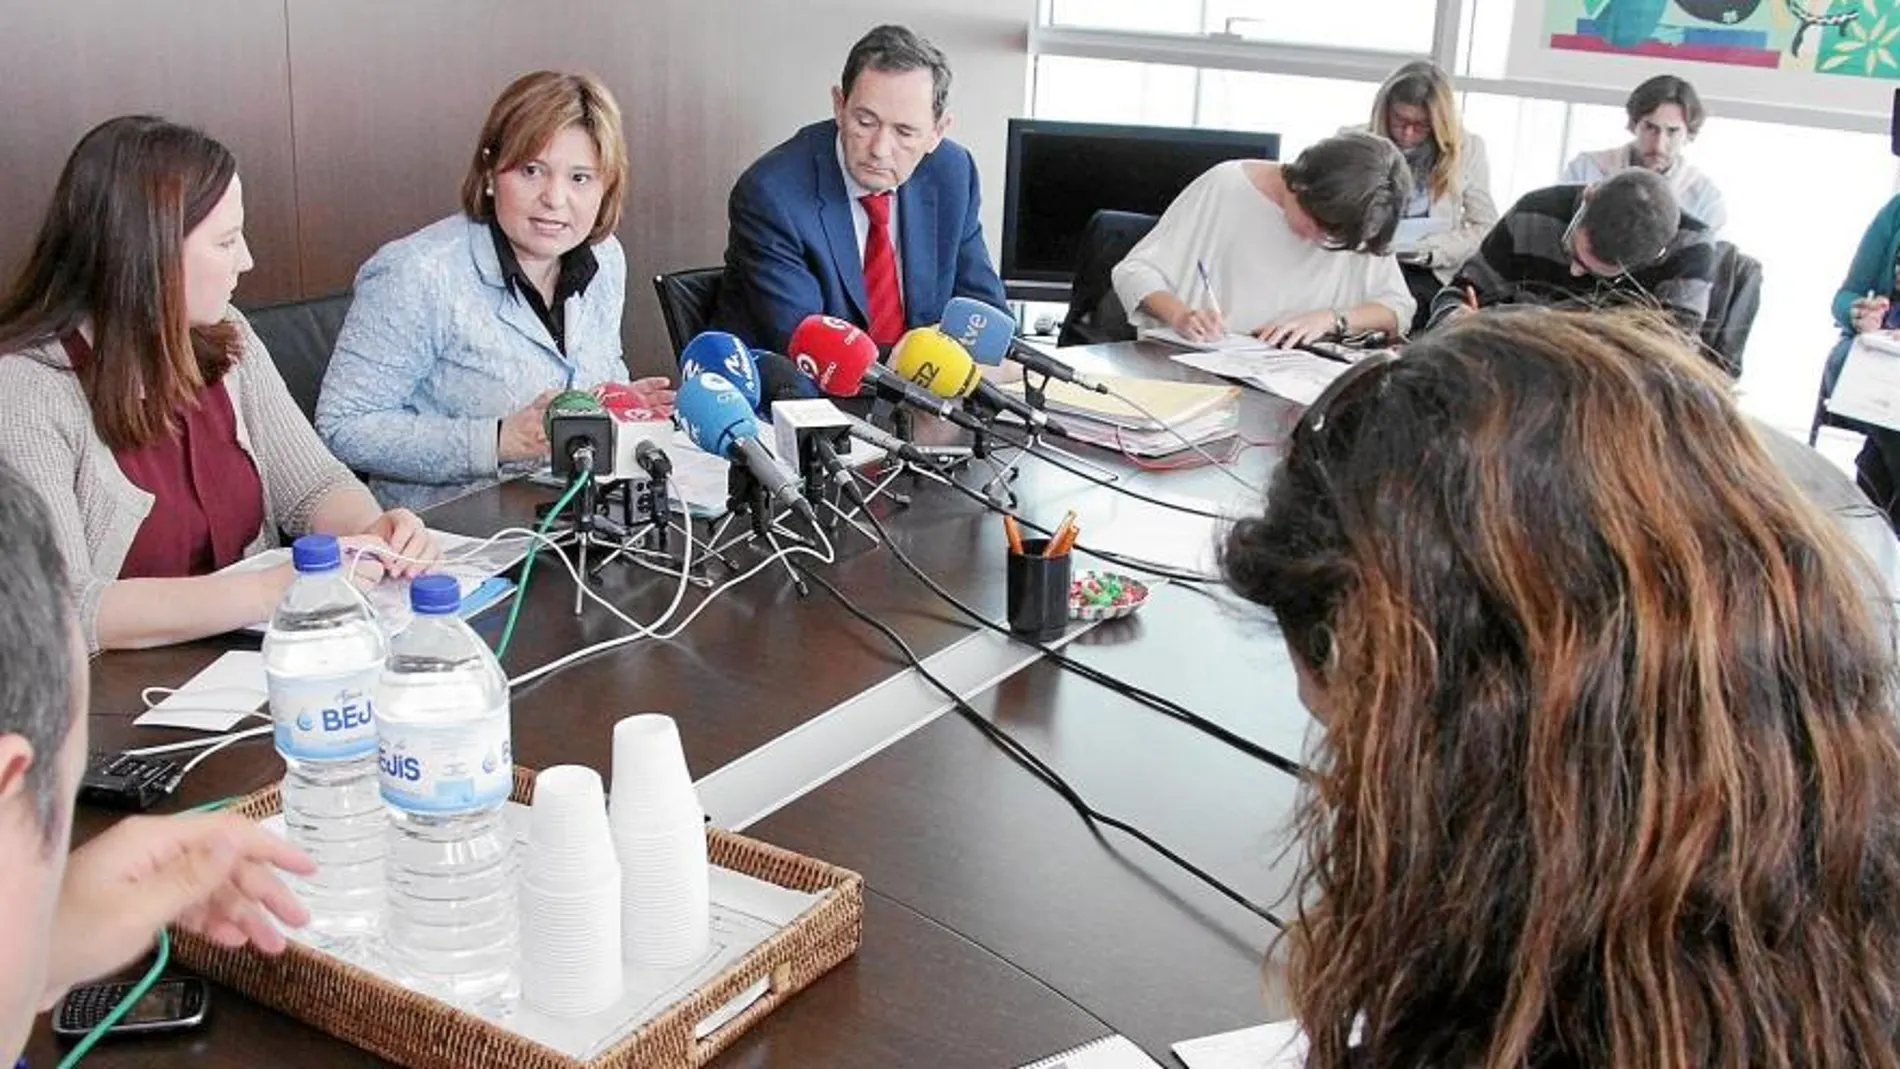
687	301
301	335
1734	300
1095	313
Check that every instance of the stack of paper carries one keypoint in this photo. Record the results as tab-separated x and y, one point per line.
1145	417
1294	374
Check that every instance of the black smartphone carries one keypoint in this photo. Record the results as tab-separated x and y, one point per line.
173	1004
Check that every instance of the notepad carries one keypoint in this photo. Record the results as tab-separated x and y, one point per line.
1113	1051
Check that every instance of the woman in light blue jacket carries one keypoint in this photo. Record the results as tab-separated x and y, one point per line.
461	332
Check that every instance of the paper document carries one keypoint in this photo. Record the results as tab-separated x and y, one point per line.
1411	231
1280	1045
1108	1052
1297	376
473	565
1227	343
1869	387
216	699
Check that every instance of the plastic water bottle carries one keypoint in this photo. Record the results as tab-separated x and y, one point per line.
450	928
322	654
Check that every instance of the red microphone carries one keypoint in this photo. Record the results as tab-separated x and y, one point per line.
841	358
833	352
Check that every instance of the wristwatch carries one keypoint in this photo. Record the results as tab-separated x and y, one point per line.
1339	324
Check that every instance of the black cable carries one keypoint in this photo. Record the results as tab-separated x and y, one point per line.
1031	449
1035	766
1095	675
1131	563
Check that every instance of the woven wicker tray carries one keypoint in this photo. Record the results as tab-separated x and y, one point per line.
414	1030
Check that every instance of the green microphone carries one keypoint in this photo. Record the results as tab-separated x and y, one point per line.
577	422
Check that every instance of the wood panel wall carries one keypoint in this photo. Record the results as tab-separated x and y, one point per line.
353	119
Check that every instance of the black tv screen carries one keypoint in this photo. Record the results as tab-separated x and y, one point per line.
1061	173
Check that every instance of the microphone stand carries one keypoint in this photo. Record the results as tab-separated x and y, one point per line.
746	496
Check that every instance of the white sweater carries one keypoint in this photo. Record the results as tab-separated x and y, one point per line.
1696	192
1260	269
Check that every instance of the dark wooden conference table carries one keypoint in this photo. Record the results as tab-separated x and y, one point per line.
998	928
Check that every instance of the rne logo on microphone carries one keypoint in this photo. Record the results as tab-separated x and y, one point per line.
925	374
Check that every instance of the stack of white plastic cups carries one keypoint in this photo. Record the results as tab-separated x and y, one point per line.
570	898
659	832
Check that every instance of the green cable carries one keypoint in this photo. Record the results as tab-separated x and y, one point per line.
214	804
125	1005
521	591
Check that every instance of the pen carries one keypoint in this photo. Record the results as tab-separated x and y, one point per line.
1213	302
1015	534
1062	531
1068	543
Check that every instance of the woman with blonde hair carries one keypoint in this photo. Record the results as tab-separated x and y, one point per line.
1451	207
1610	773
461	333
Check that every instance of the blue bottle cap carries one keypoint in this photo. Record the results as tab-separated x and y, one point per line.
316	553
435	595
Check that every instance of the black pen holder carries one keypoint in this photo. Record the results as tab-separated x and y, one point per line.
1037	589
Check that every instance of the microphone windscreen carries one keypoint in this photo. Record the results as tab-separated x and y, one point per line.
620	401
713	413
983	329
724	355
931	359
834	353
781	380
570	403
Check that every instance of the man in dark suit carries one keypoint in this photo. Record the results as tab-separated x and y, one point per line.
872	217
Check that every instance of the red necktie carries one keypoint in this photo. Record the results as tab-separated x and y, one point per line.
880	272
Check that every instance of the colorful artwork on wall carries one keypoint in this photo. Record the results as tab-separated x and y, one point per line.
1851	38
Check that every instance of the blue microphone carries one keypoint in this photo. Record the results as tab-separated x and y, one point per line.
989	334
715	415
982	330
724	355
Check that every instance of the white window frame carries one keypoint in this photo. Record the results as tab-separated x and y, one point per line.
1219	51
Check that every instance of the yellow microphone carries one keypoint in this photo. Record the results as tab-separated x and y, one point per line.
932	359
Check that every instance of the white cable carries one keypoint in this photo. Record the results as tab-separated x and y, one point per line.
1221	465
828	557
214	741
215	747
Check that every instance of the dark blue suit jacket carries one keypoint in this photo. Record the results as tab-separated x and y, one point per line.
791	249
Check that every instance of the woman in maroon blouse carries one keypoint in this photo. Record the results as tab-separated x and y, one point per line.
145	411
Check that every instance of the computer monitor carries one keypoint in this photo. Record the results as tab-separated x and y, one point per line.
1061	173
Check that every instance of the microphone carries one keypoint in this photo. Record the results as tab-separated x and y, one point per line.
653	460
841	358
932	359
877	436
781	380
724	355
580	435
715	415
989	334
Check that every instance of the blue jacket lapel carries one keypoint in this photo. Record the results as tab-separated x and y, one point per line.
514	309
917	245
834	213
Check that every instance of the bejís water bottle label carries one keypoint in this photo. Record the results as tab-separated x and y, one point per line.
328	718
446	768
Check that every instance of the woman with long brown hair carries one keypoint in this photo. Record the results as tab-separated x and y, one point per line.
147	413
1610	773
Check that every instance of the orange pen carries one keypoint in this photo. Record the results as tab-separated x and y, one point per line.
1068	542
1015	534
1058	542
